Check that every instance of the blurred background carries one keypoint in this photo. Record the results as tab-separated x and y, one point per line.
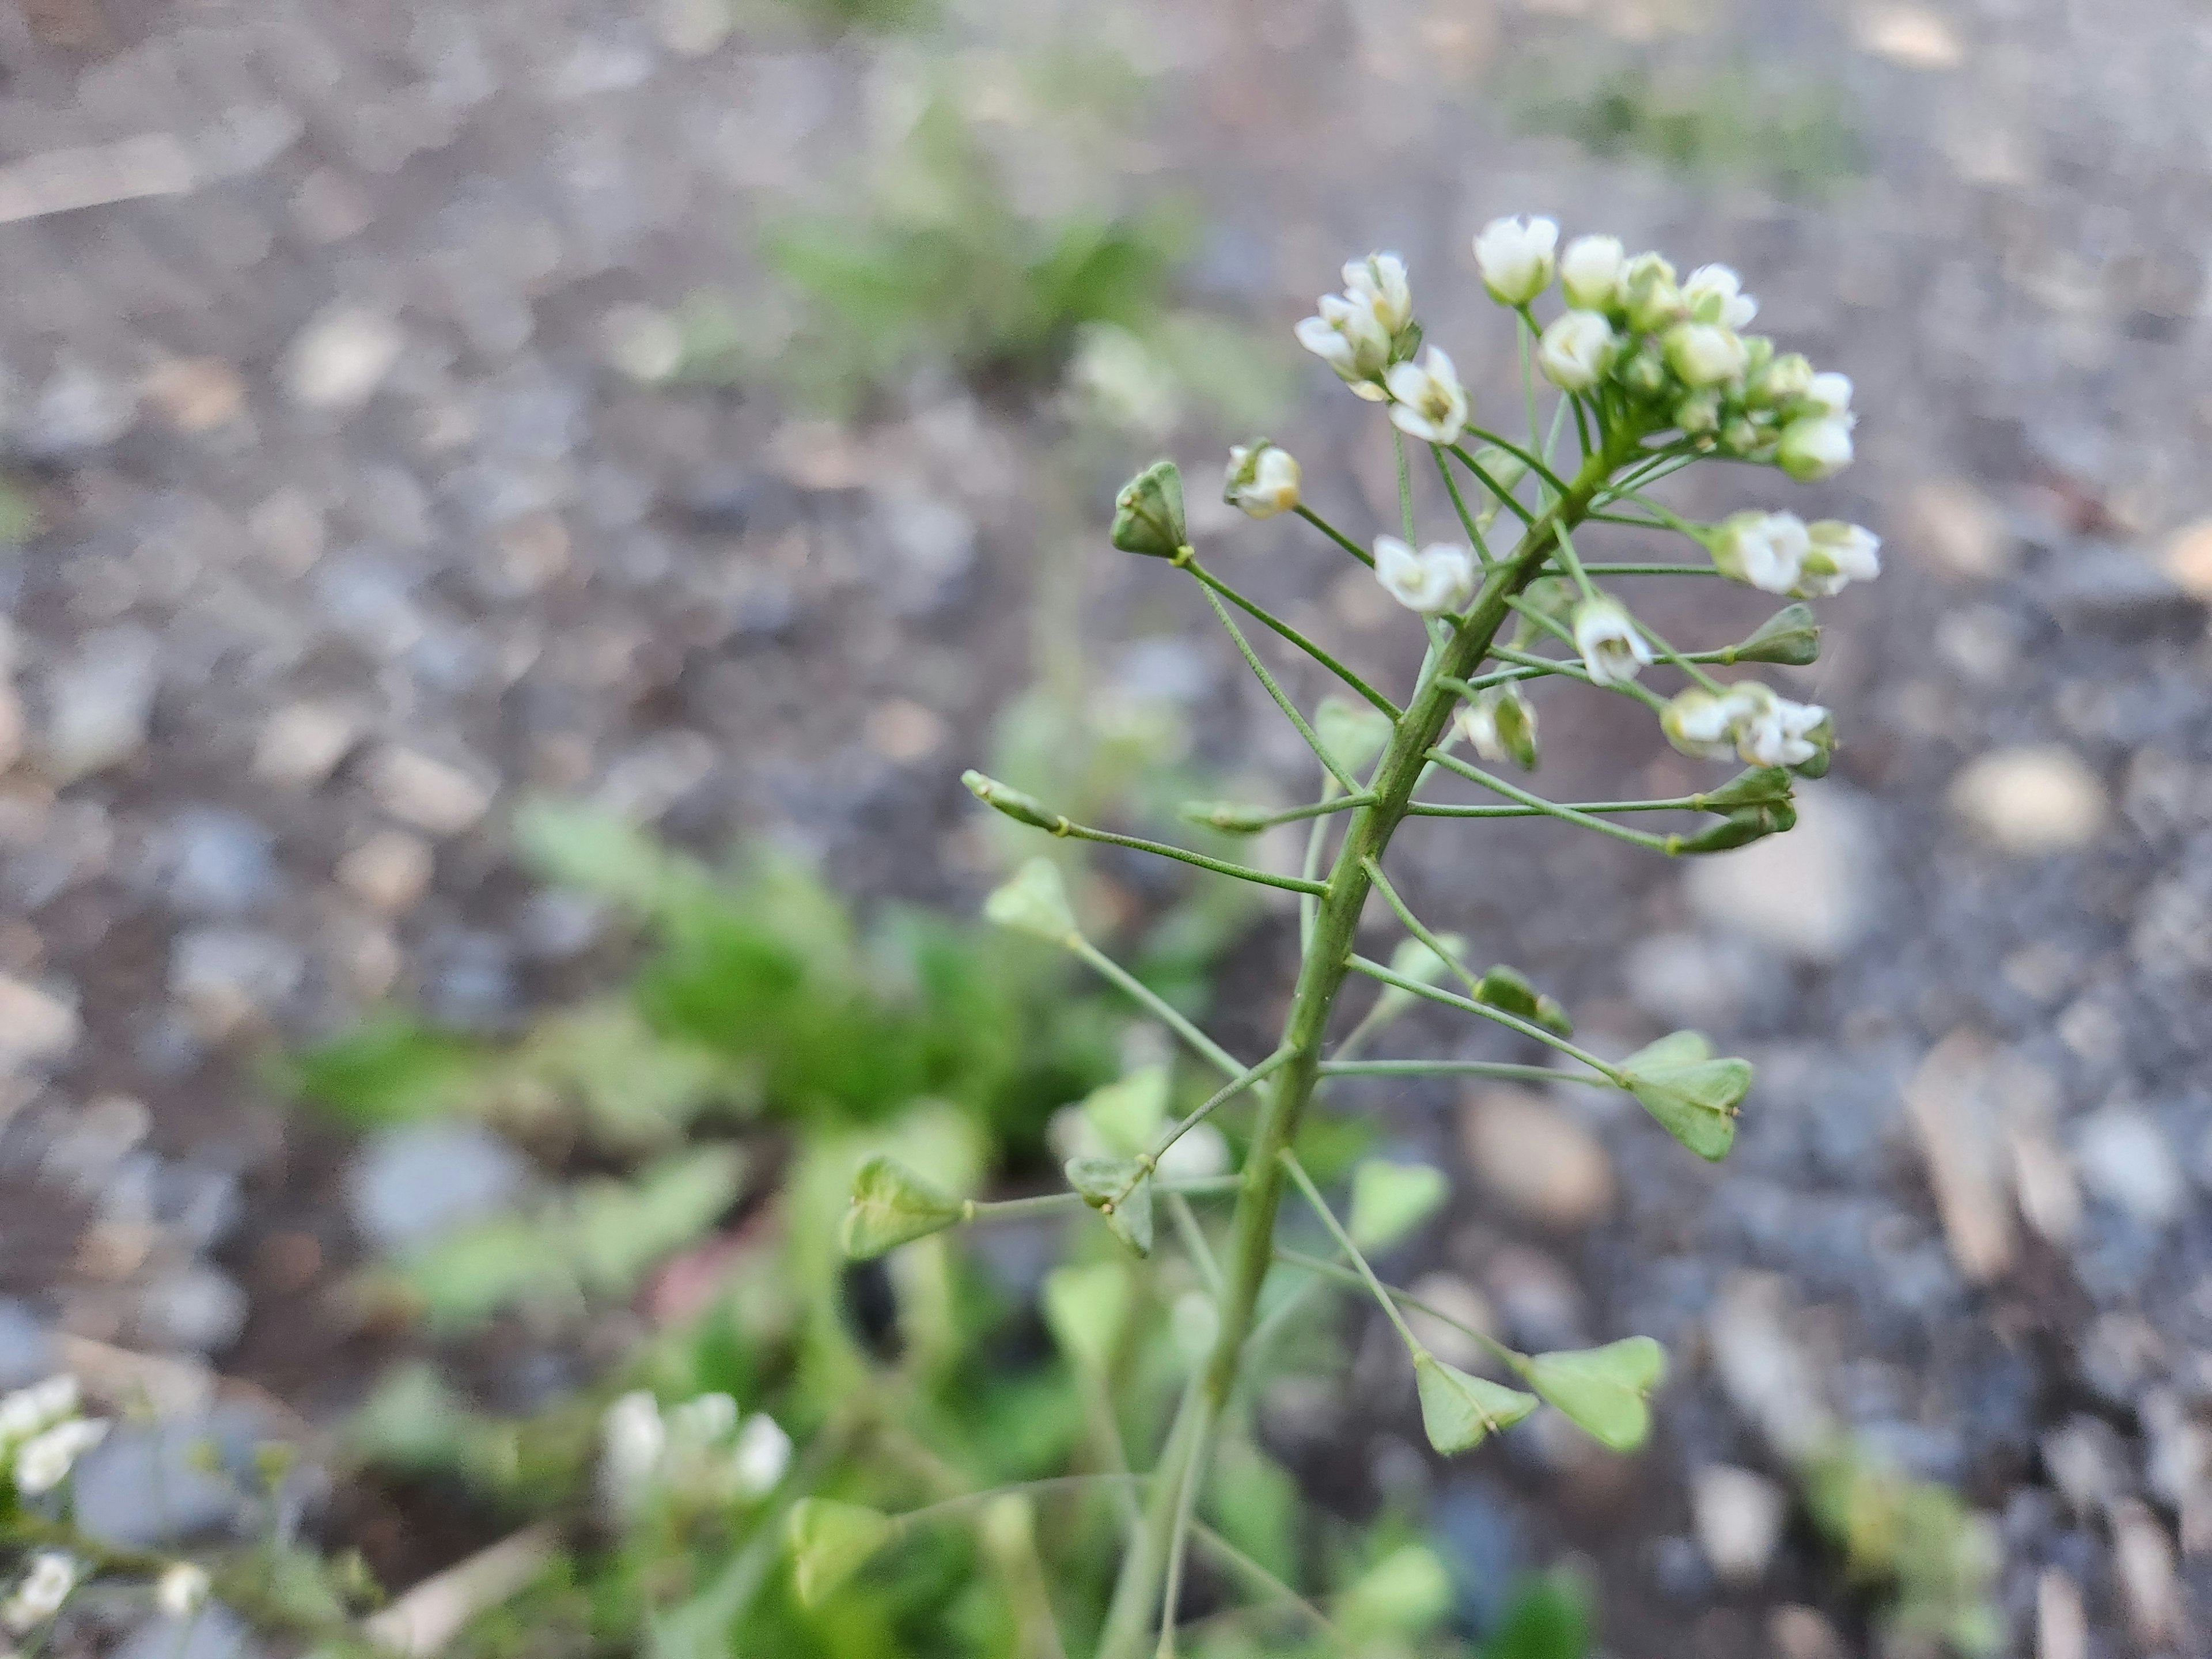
513	515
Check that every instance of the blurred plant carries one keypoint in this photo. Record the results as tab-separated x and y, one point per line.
1932	1561
1778	126
1653	374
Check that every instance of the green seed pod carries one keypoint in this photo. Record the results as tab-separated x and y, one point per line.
1023	809
1789	635
1148	513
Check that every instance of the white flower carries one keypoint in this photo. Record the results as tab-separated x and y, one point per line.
1575	349
1589	272
1839	554
1501	725
1349	338
1771	730
1698	723
182	1590
1379	282
1815	446
1437	579
44	1461
1649	294
1831	392
632	1438
1515	257
42	1405
1704	354
1765	549
1715	294
701	1421
1431	405
1612	650
39	1596
1787	379
1262	479
762	1455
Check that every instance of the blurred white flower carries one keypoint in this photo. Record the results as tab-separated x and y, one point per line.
632	1437
761	1456
1650	295
51	1576
1838	554
1771	730
1379	282
1788	378
1698	723
1764	550
1704	354
701	1421
1431	405
1262	479
27	1411
1574	349
44	1461
1501	724
1715	294
1350	338
1831	392
182	1590
1515	256
1612	649
1815	446
1437	579
1589	272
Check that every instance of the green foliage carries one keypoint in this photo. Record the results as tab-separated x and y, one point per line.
1935	1560
1732	121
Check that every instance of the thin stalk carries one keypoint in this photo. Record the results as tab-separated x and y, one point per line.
1068	829
1289	1160
1160	1008
1505	496
1496	1016
1148	1160
1653	569
1390	1293
1494	1068
1686	663
1233	1557
1466	519
1335	535
1422	809
1310	868
968	1500
1194	1242
1197	812
1326	960
1345	779
1293	636
1194	1477
1668	844
1405	485
1573	670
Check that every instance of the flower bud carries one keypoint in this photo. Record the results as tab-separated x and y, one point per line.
1379	282
1227	817
1756	786
1507	989
1613	651
1033	901
1700	723
1739	437
1148	516
1764	550
1814	447
1839	554
1437	580
1699	414
1820	737
1789	636
1515	258
1788	378
1830	392
1714	293
1574	349
1262	479
1501	726
1644	373
1739	828
1429	403
1649	294
1589	272
1704	354
1348	336
1021	808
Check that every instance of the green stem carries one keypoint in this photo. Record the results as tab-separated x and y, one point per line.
1504	497
1497	1068
1160	1008
1219	818
1345	779
1405	485
1496	1016
1668	844
1320	1207
1194	1242
1148	1160
1068	829
1391	1293
1335	535
1466	519
1260	1576
1326	960
1293	636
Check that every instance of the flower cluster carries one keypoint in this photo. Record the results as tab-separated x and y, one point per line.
698	1451
1749	719
1364	332
46	1585
1659	352
1780	553
42	1434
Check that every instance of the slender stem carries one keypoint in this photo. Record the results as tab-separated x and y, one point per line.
1498	1016
968	1500
1260	1576
1161	1008
1521	337
1505	496
1194	1242
1326	960
1422	809
1069	830
1016	1209
1309	867
1437	947
1148	1160
1528	458
1405	485
1320	1206
1349	784
1466	519
1668	844
1566	554
1687	664
1458	1068
1201	812
1327	1269
1293	636
1194	1477
1575	671
1335	535
1655	569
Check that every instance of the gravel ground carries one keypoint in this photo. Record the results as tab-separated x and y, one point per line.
354	535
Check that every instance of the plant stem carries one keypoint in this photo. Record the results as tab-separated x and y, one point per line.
1327	960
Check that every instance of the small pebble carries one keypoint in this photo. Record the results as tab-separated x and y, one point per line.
2031	801
1738	1515
430	794
390	871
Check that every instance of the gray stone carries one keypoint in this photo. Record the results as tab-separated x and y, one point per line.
431	794
2032	800
1808	894
338	360
216	1632
1544	1165
303	743
219	863
2125	1159
1738	1515
197	1309
98	704
145	1485
409	1187
227	977
79	410
2110	592
38	1025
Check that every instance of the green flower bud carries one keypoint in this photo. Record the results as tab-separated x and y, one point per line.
1602	1390
1822	737
1691	1095
1644	373
893	1206
1148	513
1508	990
1698	413
1791	635
1034	902
1459	1412
1785	380
1021	808
1651	294
1226	816
1756	786
1739	828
